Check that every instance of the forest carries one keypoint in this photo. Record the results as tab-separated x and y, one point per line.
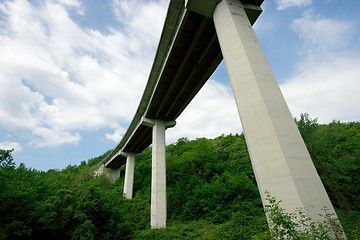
211	191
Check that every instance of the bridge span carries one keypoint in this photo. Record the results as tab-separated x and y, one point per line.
187	55
196	36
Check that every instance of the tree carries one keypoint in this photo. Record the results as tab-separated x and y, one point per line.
6	160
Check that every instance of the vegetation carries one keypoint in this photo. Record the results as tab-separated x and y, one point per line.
298	225
6	160
211	189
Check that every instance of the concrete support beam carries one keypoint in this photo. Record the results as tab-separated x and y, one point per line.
129	175
278	154
158	172
151	122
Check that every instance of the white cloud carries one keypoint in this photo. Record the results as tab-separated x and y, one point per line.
211	113
76	4
141	20
323	40
117	135
49	137
58	78
326	84
322	33
329	91
7	145
284	4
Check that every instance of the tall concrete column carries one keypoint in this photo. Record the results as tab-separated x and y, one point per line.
129	175
158	171
280	160
158	180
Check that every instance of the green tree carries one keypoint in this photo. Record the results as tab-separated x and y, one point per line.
211	190
6	159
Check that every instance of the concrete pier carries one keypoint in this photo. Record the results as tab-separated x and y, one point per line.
280	160
129	175
158	179
158	171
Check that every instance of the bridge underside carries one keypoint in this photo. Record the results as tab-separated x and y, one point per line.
187	55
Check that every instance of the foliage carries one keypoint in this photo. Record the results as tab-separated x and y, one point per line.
298	225
6	160
177	230
211	190
335	150
68	204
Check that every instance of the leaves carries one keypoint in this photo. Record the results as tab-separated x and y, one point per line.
68	204
298	225
6	160
211	192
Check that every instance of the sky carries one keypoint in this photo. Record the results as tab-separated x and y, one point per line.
72	72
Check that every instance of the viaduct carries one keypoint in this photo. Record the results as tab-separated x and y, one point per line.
196	37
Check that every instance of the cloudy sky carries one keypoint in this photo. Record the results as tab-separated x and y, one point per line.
72	72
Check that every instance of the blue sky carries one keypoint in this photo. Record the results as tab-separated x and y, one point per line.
72	72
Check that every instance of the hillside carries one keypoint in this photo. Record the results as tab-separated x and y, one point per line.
211	189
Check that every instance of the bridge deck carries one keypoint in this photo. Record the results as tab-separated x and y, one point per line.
188	53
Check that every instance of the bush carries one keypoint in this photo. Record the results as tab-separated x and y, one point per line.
299	226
